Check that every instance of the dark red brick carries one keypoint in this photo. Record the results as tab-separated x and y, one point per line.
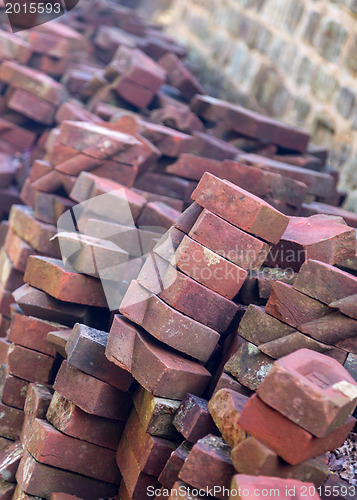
235	245
41	480
71	420
31	332
170	473
185	294
30	365
293	307
193	420
151	452
38	399
90	394
49	446
209	464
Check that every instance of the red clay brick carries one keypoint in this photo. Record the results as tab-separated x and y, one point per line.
280	488
41	480
151	452
49	446
13	389
209	464
30	365
167	324
225	408
180	77
293	307
31	332
258	327
159	370
90	394
51	276
136	481
156	414
274	430
253	458
240	208
185	294
170	473
208	268
320	237
324	282
235	245
34	302
86	351
74	422
310	378
9	461
11	422
34	82
347	306
38	399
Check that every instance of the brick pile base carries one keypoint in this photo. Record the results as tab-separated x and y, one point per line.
178	282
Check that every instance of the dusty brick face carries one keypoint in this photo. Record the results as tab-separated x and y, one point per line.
282	58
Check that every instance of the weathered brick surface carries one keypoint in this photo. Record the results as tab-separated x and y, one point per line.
158	369
168	325
209	268
156	414
253	458
208	464
49	446
226	407
293	307
274	430
31	365
310	378
38	399
86	351
51	276
31	332
71	420
41	480
90	394
240	208
320	237
185	294
193	420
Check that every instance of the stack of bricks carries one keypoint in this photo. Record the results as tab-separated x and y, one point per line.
322	237
305	314
271	419
174	296
52	295
24	235
90	147
256	430
31	94
71	445
53	46
74	420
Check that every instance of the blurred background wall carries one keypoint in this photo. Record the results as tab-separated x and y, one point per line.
292	59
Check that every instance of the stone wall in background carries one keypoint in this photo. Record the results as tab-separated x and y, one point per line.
292	59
